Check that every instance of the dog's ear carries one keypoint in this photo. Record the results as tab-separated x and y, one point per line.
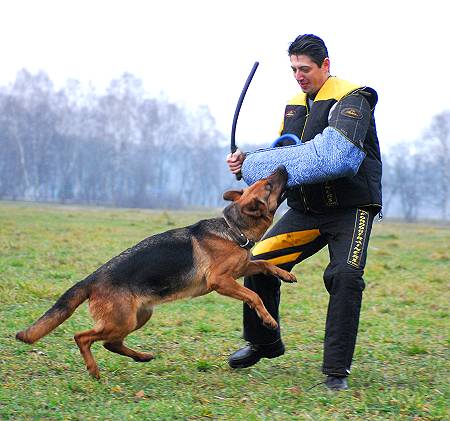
255	208
232	195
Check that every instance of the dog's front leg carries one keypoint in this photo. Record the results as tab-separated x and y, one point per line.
226	285
262	266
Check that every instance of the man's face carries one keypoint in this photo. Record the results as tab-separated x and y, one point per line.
308	74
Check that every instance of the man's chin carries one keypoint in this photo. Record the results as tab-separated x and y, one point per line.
310	92
306	90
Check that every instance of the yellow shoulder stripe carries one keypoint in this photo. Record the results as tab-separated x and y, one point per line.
335	88
299	99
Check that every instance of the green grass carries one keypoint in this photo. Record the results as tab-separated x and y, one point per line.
401	364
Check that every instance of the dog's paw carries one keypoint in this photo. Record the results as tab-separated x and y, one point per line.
94	372
270	324
286	276
143	357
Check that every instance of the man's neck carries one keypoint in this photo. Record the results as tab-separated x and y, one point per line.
311	97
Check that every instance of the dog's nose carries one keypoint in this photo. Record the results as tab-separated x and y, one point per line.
282	173
280	176
281	170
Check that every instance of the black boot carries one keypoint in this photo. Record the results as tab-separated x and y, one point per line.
336	383
252	353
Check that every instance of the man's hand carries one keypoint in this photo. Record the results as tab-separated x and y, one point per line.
235	161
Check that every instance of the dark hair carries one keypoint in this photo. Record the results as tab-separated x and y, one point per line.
310	45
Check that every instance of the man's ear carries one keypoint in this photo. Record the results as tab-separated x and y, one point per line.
232	195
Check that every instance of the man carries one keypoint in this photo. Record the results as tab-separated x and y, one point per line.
334	193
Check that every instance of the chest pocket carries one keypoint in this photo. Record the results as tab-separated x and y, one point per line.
294	119
318	119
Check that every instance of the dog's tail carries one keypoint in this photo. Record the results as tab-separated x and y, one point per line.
58	313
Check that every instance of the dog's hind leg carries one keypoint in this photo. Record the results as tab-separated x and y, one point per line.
115	318
119	348
116	315
84	341
143	314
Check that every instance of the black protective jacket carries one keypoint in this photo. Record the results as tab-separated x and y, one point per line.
362	190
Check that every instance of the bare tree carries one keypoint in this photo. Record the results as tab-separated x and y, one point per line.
120	147
407	179
439	135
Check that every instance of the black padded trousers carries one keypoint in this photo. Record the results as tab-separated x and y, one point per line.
297	236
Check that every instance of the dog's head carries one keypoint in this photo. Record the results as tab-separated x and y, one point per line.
254	208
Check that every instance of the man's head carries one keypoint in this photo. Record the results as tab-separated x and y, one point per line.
309	62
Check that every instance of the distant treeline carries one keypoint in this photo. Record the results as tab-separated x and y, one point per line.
416	175
125	148
120	148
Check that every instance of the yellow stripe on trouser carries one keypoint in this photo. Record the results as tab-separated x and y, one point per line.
284	259
286	240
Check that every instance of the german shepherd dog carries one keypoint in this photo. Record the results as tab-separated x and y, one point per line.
185	262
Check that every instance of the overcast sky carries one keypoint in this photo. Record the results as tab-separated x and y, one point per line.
200	52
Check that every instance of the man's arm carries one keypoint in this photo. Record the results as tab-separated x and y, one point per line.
336	152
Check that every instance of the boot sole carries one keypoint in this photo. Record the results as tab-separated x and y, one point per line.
245	365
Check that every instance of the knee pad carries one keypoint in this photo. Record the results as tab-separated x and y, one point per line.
337	277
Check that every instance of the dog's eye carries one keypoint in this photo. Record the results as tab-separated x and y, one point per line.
269	186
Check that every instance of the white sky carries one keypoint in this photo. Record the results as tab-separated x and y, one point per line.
200	52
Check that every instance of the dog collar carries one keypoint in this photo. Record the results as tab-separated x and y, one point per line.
237	235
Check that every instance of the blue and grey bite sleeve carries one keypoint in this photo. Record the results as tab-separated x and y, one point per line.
328	156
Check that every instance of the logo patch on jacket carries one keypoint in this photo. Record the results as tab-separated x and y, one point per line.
290	113
352	113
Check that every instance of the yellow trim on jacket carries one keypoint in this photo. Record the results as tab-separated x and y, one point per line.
333	88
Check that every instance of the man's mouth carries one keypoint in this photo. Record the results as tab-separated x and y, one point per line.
303	85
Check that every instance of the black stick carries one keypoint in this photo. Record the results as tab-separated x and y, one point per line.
238	109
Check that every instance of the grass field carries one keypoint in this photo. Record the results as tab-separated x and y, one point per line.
401	367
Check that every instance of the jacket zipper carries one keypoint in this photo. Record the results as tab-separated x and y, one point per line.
301	138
